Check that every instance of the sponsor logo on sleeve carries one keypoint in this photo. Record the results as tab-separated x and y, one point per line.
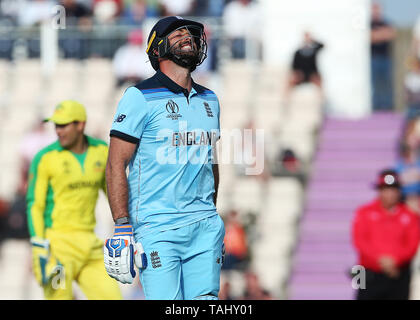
120	118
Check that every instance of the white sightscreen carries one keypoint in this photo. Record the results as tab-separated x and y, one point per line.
343	26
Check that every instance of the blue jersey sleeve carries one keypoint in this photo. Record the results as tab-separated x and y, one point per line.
131	116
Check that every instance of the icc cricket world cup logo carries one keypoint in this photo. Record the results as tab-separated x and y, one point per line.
173	110
172	107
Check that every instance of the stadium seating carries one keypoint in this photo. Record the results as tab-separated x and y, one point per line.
16	278
244	95
26	98
278	201
277	225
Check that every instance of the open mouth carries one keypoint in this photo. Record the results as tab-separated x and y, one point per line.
186	45
186	49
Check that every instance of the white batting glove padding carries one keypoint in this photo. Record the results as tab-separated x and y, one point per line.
121	254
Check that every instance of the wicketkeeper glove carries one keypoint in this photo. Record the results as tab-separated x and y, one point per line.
121	254
44	265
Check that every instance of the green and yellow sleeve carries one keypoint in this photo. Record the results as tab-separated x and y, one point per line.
105	152
36	196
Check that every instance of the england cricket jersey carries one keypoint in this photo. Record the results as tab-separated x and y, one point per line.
170	178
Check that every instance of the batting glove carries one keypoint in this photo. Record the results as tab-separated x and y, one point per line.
121	254
44	265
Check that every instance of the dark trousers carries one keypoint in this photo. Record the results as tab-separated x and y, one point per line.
381	287
382	87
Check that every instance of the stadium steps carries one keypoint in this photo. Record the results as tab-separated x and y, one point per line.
350	154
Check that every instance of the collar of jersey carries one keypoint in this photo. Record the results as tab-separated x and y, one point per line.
173	86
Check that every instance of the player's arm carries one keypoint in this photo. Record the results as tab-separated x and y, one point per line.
44	265
119	156
126	131
36	196
121	252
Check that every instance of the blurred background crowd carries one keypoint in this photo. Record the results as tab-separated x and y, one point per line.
288	228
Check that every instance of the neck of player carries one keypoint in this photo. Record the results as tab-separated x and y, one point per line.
181	76
80	145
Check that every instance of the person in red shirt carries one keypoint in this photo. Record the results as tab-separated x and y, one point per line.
386	234
236	247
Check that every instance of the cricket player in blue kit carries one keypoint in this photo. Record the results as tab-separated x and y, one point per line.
165	130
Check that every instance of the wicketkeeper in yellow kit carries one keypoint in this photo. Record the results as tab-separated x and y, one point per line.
64	182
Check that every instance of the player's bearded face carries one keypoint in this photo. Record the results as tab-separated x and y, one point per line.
184	46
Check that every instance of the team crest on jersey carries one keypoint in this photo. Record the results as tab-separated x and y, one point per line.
66	167
155	259
98	166
208	110
173	110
